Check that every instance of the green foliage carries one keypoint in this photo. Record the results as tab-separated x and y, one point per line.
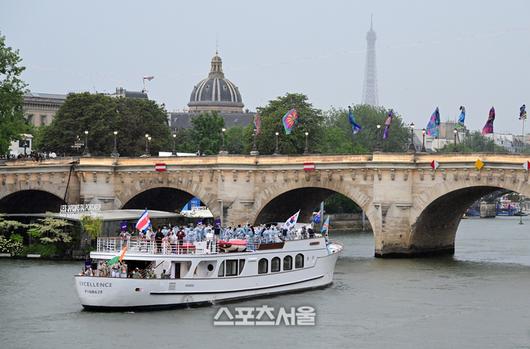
102	115
11	245
50	230
235	141
12	122
310	120
338	203
184	141
45	250
92	226
8	227
339	139
206	132
474	142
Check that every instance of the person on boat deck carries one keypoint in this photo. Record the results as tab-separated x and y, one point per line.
209	239
136	274
165	230
164	275
123	270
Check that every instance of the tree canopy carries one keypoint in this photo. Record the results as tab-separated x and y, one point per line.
474	142
12	122
101	115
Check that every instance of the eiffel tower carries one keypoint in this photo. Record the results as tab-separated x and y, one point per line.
370	74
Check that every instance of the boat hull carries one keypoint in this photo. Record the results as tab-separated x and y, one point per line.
117	294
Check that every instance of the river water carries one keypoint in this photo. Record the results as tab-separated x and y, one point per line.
479	298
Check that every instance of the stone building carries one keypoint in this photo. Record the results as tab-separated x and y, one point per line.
215	93
40	108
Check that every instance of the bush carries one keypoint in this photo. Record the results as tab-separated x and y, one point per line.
45	250
10	246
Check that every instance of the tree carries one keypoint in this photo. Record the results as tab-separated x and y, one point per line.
474	142
12	122
92	226
206	132
235	140
339	139
310	120
101	115
50	230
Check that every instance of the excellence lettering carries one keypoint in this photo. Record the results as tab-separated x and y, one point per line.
95	284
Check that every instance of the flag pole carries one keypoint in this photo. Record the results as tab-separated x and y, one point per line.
524	143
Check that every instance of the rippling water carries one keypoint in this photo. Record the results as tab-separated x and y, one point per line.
480	298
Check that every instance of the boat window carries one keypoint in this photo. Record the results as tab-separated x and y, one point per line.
287	263
299	261
241	265
275	264
231	267
263	266
221	269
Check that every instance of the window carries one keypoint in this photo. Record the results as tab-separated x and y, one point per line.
30	118
287	263
241	265
275	264
231	267
43	119
263	266
299	261
221	270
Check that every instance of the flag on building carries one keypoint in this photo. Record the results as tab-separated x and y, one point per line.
488	128
522	112
479	164
526	165
435	164
325	226
289	223
149	78
462	117
433	127
355	127
289	120
388	122
143	222
257	123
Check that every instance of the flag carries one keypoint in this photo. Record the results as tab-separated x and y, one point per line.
309	166
257	123
325	226
435	164
149	78
488	128
522	112
526	165
388	122
289	120
118	258
317	217
160	167
479	164
289	223
143	222
462	117
355	127
433	127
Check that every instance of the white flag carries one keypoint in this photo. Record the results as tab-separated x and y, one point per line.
289	223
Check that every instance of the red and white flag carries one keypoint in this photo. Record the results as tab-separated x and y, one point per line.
160	167
309	166
435	164
143	222
526	165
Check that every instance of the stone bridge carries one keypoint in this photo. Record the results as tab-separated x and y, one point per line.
412	209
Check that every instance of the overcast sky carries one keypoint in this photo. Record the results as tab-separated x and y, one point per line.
429	53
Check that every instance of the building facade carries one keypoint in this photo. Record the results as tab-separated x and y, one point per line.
40	108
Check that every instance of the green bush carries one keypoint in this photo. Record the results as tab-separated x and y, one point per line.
10	246
17	238
45	250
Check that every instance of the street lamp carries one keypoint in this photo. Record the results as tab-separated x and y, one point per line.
223	151
86	152
174	143
254	150
423	150
277	148
520	209
147	144
115	151
306	149
412	148
378	142
455	134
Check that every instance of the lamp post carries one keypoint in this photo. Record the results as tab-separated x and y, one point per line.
86	152
412	147
423	150
378	142
25	140
306	149
223	150
277	148
174	143
520	209
254	145
115	153
455	134
146	144
149	143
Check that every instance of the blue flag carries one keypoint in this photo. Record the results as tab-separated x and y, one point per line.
317	217
355	127
325	226
462	117
433	127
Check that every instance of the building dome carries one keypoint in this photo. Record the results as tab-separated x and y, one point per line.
216	93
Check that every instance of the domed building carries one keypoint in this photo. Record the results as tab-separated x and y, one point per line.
214	94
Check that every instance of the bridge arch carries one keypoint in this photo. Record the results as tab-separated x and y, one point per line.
306	195
31	201
435	222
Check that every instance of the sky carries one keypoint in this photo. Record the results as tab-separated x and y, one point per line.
429	53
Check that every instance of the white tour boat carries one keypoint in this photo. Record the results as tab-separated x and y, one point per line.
205	272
